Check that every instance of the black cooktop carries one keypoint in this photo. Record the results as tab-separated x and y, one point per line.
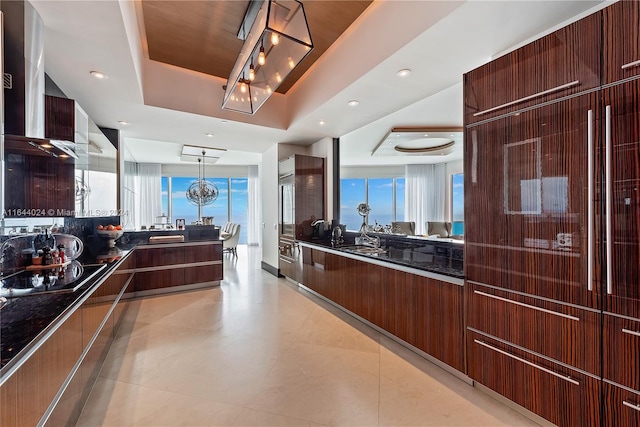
36	282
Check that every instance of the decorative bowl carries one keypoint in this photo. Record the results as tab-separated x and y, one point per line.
110	235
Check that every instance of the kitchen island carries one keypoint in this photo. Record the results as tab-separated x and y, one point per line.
53	343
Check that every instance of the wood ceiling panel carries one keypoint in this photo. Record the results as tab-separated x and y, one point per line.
198	35
202	35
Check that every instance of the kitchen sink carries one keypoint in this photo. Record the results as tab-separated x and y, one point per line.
366	250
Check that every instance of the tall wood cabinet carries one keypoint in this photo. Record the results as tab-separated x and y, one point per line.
553	222
301	189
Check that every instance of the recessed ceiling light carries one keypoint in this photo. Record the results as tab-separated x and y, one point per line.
224	122
404	72
210	135
353	103
321	122
123	122
99	75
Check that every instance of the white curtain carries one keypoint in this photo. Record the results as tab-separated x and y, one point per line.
425	188
130	220
150	193
254	234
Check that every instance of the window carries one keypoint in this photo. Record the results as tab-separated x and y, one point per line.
385	196
352	193
231	204
380	199
240	205
457	203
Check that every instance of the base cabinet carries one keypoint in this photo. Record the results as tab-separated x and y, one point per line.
564	396
424	312
439	320
167	266
621	406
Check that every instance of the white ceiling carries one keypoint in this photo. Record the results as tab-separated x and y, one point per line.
167	106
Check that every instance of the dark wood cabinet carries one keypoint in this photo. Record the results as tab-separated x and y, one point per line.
562	395
59	118
621	47
37	183
424	312
621	406
552	226
440	320
400	309
621	355
173	265
562	63
621	216
530	322
301	198
527	195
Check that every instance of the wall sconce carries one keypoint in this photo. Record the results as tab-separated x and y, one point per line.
278	41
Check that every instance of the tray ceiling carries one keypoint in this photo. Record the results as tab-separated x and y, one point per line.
202	35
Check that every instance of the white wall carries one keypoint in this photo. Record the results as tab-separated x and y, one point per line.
211	170
269	193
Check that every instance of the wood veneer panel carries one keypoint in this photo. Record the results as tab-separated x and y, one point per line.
621	355
621	28
624	100
203	273
203	253
439	320
30	391
552	397
155	257
530	323
400	307
566	55
59	120
38	183
336	283
375	297
309	194
526	189
616	413
165	278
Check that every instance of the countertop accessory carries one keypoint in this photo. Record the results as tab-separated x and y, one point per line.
48	266
110	235
166	239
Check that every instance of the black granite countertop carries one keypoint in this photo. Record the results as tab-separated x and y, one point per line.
442	256
25	319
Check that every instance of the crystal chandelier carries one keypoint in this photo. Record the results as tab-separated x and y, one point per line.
201	192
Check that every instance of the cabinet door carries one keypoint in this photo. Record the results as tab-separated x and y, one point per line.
560	64
621	407
621	351
621	48
526	201
308	194
400	307
439	320
37	184
622	188
202	253
559	394
156	257
528	323
59	120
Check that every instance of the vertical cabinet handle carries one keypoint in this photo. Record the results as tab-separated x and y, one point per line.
609	198
590	213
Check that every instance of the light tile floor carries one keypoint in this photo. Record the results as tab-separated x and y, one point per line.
257	351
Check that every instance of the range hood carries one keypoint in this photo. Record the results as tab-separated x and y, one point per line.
24	83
